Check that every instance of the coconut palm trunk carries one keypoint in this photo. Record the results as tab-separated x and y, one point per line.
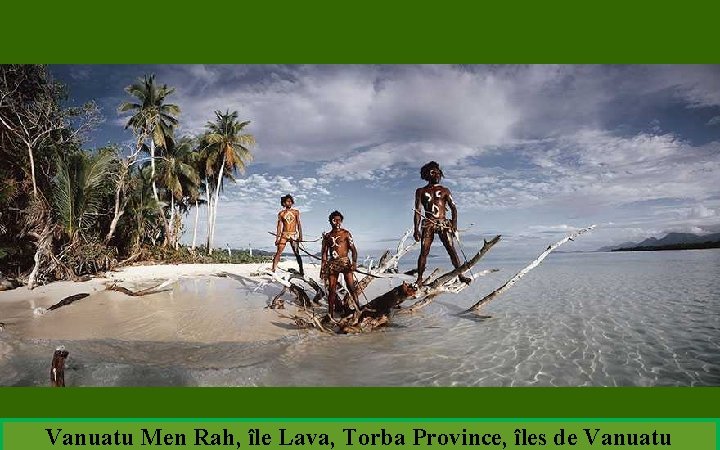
152	169
217	198
172	219
197	214
208	197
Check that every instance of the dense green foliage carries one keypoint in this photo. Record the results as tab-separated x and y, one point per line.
67	211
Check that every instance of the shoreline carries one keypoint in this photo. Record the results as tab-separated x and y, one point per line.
191	309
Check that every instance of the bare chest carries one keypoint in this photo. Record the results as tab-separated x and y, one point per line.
433	196
338	240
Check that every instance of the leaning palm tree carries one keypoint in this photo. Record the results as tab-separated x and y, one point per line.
225	152
179	177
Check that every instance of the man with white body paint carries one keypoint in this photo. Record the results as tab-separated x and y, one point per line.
336	246
434	199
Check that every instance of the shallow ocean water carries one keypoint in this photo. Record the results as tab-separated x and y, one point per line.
579	319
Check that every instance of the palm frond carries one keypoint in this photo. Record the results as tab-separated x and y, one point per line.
127	106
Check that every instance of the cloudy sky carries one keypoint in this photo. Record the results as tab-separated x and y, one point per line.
529	152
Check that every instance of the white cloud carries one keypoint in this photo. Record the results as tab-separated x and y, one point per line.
698	85
561	228
594	166
357	120
378	161
307	183
312	113
697	212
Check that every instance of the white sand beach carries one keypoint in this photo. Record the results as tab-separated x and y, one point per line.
197	306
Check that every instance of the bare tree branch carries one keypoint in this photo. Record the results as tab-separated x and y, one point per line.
488	298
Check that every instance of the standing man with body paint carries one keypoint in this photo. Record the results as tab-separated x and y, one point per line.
336	246
289	230
434	199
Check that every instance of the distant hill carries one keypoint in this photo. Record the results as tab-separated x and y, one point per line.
671	241
615	247
679	238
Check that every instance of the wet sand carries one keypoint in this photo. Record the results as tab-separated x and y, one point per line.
197	307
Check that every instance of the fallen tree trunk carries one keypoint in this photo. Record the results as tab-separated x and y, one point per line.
446	282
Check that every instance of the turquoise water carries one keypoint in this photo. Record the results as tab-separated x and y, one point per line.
579	319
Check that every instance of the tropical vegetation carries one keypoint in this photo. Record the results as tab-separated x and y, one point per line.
67	211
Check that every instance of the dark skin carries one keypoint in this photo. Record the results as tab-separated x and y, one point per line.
288	231
336	244
435	200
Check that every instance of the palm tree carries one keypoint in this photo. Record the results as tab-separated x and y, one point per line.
81	187
141	218
178	176
153	119
225	152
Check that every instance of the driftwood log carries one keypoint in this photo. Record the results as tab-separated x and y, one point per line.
67	300
378	311
162	287
290	281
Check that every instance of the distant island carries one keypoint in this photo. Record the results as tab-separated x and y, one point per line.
671	241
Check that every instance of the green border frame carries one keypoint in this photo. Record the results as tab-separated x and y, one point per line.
691	403
391	422
373	31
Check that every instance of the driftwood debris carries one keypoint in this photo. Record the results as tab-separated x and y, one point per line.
162	287
67	300
57	367
377	312
8	283
290	282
